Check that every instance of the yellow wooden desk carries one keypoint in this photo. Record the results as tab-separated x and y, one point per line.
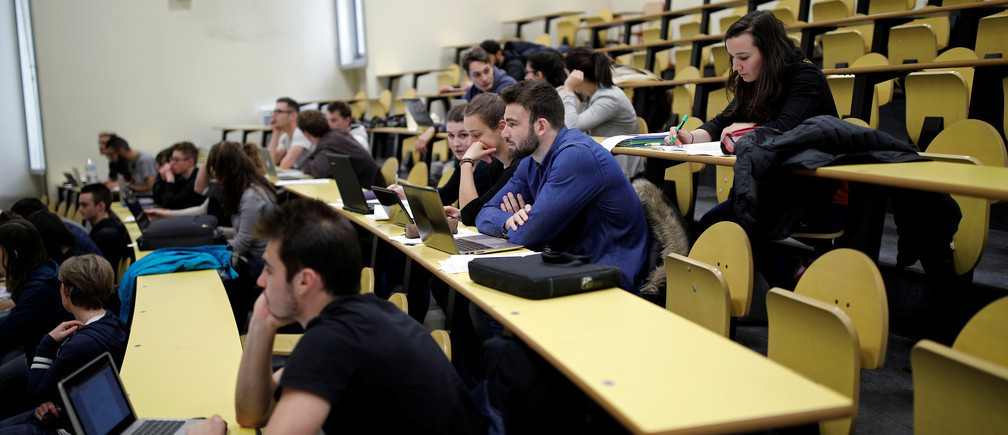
697	381
978	181
519	22
183	353
131	227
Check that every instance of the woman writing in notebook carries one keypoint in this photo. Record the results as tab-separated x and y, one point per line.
773	86
771	83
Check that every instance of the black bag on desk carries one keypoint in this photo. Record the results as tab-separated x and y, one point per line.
181	232
543	276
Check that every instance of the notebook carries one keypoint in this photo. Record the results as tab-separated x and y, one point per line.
432	224
398	212
417	117
97	403
346	182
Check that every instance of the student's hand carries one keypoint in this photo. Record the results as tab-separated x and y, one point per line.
683	137
519	218
65	329
47	411
423	140
262	313
111	184
480	151
736	126
573	80
211	426
512	203
166	173
453	211
398	190
157	213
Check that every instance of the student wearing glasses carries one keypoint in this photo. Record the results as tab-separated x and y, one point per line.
174	187
288	146
547	65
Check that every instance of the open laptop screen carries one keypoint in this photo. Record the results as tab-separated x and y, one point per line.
97	398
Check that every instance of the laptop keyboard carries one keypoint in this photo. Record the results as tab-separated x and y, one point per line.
153	427
466	245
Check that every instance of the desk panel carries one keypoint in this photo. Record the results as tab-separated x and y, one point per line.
652	370
184	351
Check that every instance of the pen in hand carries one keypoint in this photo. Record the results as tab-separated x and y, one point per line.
681	124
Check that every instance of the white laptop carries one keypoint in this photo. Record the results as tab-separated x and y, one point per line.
97	403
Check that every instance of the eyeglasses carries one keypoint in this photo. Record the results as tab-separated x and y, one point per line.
278	111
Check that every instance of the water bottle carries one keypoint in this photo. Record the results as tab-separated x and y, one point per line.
91	171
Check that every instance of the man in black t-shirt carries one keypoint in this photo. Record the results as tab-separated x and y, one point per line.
362	366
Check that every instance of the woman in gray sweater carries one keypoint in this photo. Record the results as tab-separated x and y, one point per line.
607	111
245	194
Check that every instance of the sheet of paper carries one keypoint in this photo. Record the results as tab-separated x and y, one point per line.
460	263
128	219
693	149
406	240
302	181
380	213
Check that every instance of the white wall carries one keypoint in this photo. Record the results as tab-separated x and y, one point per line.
157	76
14	178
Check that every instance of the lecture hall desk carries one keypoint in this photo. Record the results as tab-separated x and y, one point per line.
653	371
184	351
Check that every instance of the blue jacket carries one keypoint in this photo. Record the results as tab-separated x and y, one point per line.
37	310
54	361
582	204
168	260
501	81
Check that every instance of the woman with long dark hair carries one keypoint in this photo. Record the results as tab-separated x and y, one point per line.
244	193
771	82
34	287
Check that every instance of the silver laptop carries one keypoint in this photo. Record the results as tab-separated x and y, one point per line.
432	224
97	403
273	172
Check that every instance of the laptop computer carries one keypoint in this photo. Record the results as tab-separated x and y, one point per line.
136	210
278	174
97	403
432	224
71	180
346	182
417	117
398	213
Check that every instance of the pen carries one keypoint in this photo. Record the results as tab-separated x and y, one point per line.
681	124
397	174
452	216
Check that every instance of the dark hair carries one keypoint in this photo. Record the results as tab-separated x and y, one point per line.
235	172
251	151
490	46
457	113
187	148
551	64
314	235
777	51
313	122
488	107
293	105
23	251
163	156
7	215
475	54
116	143
340	106
88	279
596	66
99	193
55	235
539	99
27	206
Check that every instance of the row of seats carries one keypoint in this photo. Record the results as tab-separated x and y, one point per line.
836	323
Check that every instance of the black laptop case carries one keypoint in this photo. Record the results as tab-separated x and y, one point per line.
543	276
181	232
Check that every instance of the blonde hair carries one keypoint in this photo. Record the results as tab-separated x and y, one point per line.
88	279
